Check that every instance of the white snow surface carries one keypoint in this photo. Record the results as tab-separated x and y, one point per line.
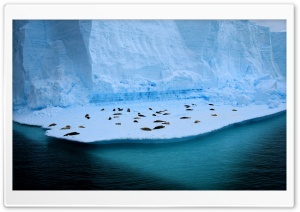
98	128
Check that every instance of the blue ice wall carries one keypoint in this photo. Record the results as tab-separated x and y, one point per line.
71	62
279	50
52	60
19	74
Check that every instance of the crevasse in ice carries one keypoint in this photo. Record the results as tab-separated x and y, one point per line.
71	62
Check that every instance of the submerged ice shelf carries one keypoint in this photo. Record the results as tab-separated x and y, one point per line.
106	123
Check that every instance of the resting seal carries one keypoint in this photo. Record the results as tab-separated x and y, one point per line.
159	127
145	129
117	114
72	133
66	127
185	117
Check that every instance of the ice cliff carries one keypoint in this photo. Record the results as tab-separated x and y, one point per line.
64	63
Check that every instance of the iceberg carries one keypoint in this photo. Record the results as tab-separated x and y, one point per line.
69	66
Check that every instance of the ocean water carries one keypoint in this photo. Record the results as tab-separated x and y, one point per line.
247	156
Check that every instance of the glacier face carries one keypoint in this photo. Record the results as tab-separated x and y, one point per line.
65	63
279	50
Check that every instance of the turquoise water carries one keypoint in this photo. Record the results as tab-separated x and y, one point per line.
249	156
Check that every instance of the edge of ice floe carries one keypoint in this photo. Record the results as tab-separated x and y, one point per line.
179	139
158	140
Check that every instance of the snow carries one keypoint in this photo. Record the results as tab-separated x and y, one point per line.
99	128
70	68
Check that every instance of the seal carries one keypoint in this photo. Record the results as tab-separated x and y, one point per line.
102	109
234	109
136	121
166	123
120	109
150	108
72	133
119	123
87	116
157	121
140	115
146	129
67	127
185	117
128	110
211	104
114	109
117	114
189	109
159	127
153	114
109	118
197	121
81	126
212	109
166	114
213	114
52	125
187	106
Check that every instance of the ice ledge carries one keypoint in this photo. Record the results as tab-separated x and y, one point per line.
98	127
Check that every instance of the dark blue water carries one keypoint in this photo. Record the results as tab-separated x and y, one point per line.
249	156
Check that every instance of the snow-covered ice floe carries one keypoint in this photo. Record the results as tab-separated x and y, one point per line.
141	64
160	121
